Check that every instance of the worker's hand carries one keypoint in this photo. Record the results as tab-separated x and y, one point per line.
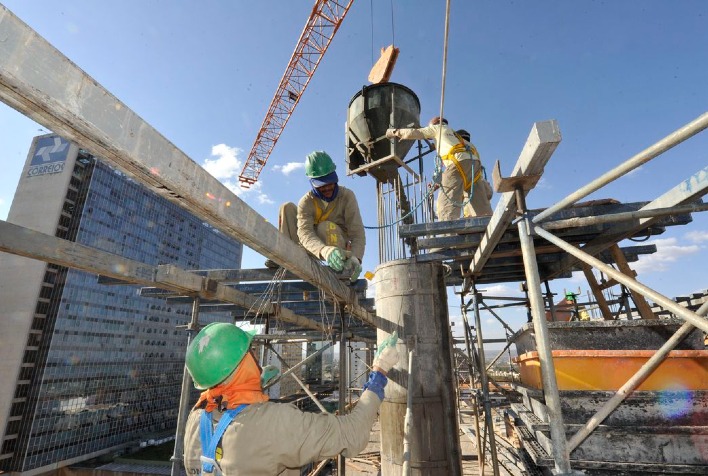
268	374
354	265
387	355
334	256
392	133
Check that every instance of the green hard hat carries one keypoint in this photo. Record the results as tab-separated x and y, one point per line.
215	353
319	164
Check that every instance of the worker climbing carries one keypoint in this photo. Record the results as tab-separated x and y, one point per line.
233	429
463	176
327	221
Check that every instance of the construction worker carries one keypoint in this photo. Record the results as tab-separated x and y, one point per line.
326	221
480	204
461	174
233	429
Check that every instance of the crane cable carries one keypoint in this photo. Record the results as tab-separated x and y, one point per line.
437	173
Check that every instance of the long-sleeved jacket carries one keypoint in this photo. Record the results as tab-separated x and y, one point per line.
447	140
345	213
266	438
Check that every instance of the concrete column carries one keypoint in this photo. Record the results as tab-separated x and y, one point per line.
411	297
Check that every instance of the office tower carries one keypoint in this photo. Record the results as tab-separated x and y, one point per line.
88	368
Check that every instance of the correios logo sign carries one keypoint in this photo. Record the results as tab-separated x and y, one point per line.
49	156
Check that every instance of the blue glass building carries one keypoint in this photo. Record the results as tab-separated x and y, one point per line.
94	368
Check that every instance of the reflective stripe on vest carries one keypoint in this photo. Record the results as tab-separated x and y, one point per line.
319	217
210	440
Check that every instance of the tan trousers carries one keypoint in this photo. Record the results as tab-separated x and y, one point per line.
452	193
330	233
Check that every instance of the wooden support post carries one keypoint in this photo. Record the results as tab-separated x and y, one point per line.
639	300
597	292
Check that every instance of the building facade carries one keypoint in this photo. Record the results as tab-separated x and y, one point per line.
90	368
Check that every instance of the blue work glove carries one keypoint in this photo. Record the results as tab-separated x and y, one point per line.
335	257
376	383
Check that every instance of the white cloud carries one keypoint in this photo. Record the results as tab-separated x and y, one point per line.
501	290
226	167
693	236
288	168
667	252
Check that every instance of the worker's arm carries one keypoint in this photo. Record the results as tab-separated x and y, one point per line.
428	132
354	225
306	232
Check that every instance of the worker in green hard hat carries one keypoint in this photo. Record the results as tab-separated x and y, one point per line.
233	430
463	174
326	221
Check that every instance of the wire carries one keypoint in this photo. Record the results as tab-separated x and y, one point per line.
393	29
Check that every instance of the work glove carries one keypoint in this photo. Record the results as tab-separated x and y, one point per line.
335	257
268	374
354	265
386	355
391	133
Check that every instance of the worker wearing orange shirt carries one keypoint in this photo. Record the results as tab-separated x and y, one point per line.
233	430
327	221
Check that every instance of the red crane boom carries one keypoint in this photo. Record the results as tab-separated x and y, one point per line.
323	23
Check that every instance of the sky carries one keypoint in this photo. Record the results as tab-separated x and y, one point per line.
617	76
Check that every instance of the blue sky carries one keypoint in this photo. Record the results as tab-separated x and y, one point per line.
617	76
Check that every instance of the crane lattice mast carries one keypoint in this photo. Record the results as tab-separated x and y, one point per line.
323	23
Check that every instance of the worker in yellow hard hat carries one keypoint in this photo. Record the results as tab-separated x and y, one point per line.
233	430
463	169
327	221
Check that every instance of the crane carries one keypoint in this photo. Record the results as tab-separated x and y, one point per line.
323	23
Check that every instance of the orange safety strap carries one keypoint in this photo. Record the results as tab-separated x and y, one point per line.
462	147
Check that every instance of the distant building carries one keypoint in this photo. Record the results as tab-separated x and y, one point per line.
86	368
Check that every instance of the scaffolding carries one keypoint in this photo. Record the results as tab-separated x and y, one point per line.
514	244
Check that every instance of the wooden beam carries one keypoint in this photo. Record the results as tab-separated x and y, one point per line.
33	244
639	300
540	145
597	292
44	85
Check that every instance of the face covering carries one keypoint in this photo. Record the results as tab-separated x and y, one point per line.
243	387
317	193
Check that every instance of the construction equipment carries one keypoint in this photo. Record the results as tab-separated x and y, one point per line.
323	23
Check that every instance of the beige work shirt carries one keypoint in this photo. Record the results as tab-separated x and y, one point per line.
345	213
447	140
267	438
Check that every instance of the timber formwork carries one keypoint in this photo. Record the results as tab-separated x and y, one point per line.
514	244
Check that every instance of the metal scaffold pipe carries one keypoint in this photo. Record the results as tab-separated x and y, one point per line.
631	283
673	139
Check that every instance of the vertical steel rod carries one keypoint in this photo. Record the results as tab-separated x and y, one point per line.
408	420
341	462
485	384
561	455
177	455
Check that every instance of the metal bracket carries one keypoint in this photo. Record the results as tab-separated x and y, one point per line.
511	184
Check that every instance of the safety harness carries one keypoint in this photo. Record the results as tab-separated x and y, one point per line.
210	439
320	216
472	150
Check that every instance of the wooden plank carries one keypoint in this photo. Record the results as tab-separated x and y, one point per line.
33	244
41	83
597	292
639	300
540	145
